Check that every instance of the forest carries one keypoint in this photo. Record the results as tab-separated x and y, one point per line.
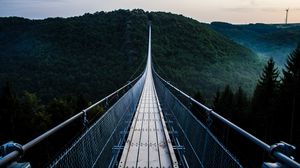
271	113
267	40
52	69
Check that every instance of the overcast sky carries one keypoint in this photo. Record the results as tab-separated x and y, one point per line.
234	11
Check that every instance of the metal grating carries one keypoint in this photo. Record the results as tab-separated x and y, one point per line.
148	143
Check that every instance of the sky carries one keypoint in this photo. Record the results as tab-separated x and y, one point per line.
233	11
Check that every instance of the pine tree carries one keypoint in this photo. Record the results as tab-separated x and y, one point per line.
241	105
224	105
8	110
264	99
241	100
198	111
216	101
290	98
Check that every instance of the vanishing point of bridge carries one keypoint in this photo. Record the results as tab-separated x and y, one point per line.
148	143
149	127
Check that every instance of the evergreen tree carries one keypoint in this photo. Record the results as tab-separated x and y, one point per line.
198	111
198	96
60	109
241	105
8	108
290	98
264	99
81	103
226	104
32	118
216	100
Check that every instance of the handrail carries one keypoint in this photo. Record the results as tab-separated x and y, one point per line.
15	154
277	155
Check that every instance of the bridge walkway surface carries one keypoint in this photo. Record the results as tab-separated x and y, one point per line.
148	143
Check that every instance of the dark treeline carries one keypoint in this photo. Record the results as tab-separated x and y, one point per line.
271	114
25	117
90	55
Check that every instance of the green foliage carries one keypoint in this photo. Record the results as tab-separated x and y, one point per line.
196	110
8	108
194	57
290	98
96	53
233	106
267	40
264	101
21	118
31	118
274	111
91	55
198	97
224	102
241	102
266	90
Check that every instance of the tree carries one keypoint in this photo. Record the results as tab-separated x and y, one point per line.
32	118
216	100
81	103
264	99
8	108
197	110
290	97
241	105
60	109
226	105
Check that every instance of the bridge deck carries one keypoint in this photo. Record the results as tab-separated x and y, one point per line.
148	143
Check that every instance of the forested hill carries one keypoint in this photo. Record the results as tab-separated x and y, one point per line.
95	54
196	58
267	40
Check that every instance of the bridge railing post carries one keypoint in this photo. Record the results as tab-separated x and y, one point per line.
283	148
209	120
85	120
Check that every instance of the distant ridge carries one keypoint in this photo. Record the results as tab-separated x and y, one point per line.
267	40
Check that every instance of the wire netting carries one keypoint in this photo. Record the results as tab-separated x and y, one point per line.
94	148
201	147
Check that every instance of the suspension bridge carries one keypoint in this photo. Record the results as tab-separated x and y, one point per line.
150	127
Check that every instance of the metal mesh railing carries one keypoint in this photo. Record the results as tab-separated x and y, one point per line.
201	147
94	147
